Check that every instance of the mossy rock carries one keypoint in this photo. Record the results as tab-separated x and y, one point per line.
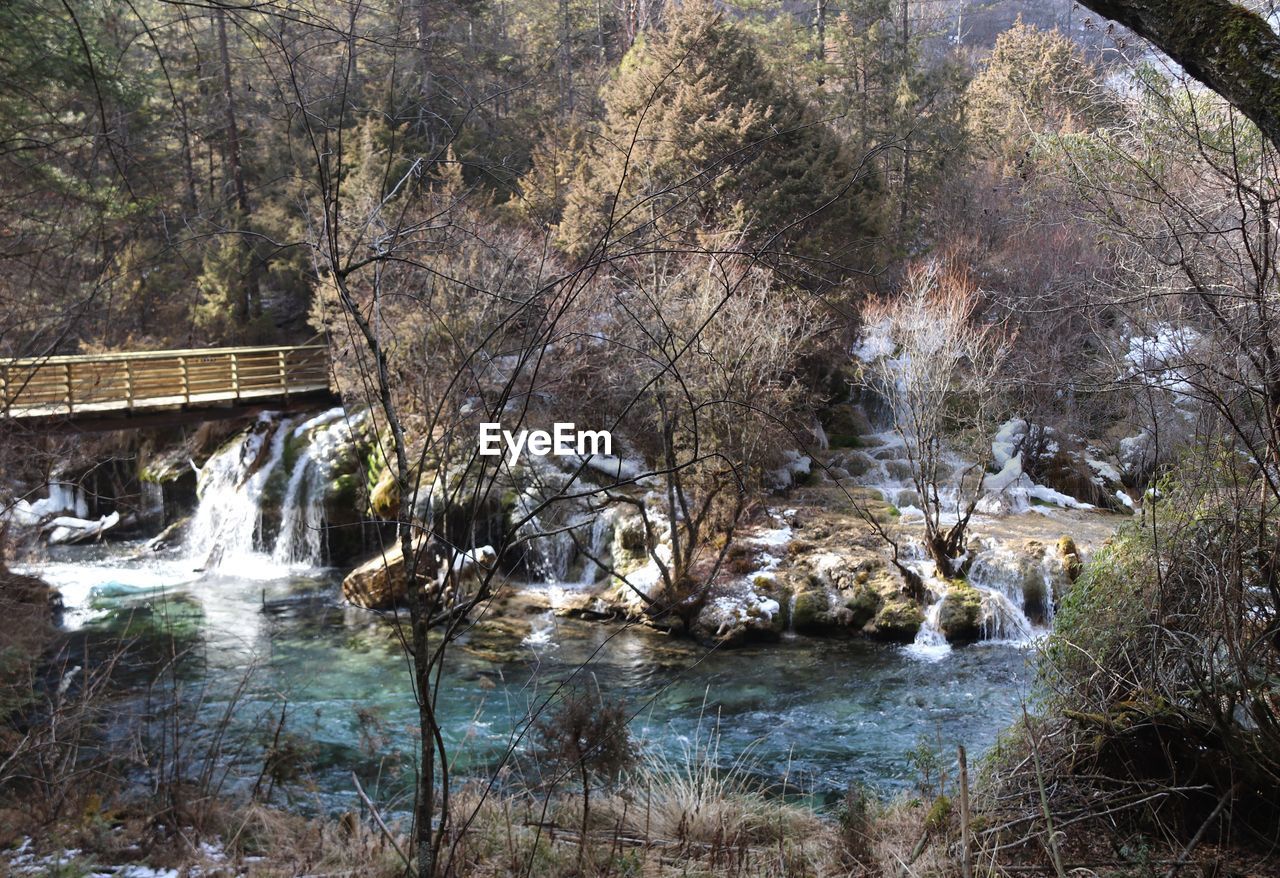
857	463
863	604
812	612
898	469
846	420
960	616
384	499
898	620
1070	556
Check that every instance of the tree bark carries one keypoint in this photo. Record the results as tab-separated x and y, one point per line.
249	299
1222	44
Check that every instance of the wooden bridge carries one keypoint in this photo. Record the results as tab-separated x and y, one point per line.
115	391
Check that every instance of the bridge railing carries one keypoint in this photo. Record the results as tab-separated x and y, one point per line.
102	382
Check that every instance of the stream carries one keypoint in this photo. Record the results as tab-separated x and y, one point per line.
813	713
248	625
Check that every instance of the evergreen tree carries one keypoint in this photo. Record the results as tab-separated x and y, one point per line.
697	136
1034	83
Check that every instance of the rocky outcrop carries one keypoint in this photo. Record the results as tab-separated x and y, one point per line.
382	582
845	586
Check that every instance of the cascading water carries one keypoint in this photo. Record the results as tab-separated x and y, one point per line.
226	529
300	542
228	532
562	535
1016	596
302	516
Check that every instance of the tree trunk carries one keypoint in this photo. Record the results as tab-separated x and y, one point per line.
425	86
249	295
229	115
1230	49
821	23
586	807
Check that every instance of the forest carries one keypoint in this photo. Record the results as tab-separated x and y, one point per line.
917	366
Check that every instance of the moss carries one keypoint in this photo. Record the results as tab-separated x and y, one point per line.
864	604
938	815
344	489
812	612
960	616
898	620
1070	556
384	496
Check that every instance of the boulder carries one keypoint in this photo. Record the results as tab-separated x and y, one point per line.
380	583
736	614
1069	554
897	620
863	605
812	612
960	616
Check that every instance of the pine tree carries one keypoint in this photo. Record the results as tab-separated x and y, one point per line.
698	137
1036	82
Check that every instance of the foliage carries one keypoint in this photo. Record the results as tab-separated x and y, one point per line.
1034	84
1170	636
697	135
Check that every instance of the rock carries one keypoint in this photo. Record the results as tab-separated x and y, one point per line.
897	621
899	470
812	612
858	463
587	605
736	614
380	582
960	616
1070	557
384	499
845	425
863	606
908	497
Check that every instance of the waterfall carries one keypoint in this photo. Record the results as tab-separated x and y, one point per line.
1000	577
601	537
930	643
300	542
226	529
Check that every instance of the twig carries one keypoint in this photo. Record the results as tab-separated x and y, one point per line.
1195	839
378	819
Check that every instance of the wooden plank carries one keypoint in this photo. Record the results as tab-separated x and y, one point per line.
41	388
58	359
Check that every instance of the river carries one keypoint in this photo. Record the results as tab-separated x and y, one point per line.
816	714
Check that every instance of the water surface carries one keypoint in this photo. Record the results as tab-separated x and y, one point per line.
817	714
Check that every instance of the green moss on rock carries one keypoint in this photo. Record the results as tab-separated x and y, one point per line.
960	616
863	605
898	620
812	612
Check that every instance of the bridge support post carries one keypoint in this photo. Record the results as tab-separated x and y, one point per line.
66	377
186	379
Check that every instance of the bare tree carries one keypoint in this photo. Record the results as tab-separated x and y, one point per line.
937	369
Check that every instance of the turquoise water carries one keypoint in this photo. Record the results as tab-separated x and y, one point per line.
813	714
